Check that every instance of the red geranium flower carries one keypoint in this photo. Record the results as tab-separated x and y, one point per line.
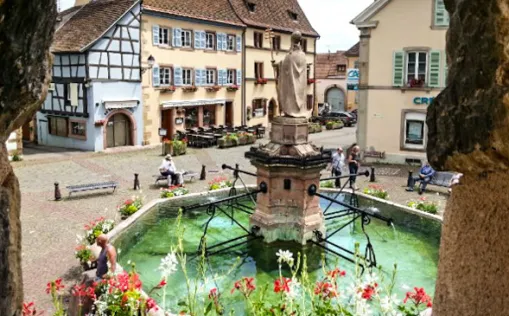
368	292
336	272
29	309
325	290
418	297
282	285
245	286
151	304
162	283
129	202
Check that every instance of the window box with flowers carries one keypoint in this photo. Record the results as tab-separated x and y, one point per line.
416	83
261	81
232	88
190	89
99	123
175	147
130	206
311	81
213	88
169	89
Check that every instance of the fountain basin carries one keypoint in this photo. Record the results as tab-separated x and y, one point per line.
148	236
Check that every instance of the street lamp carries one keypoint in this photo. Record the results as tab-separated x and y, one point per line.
150	61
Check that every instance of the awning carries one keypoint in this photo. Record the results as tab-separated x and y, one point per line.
120	104
190	103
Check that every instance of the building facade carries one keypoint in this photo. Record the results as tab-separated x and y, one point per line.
94	100
197	77
403	66
268	37
352	57
331	80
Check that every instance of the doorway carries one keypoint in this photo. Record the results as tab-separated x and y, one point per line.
336	99
228	114
272	110
118	131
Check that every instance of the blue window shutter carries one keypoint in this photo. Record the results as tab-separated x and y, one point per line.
203	77
155	76
239	77
220	41
446	69
225	38
155	34
220	77
174	38
197	77
203	39
398	68
178	75
177	37
239	43
197	39
434	68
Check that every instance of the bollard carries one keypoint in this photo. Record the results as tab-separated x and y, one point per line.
136	182
409	181
372	175
236	172
203	175
58	195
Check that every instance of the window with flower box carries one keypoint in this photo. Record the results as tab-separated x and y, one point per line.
165	76
187	76
211	77
258	70
230	76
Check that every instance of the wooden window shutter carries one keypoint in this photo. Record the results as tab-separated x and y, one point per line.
178	75
398	68
441	15
155	34
434	68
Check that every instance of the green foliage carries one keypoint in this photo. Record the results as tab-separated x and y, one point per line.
377	191
327	184
130	206
16	156
423	205
173	191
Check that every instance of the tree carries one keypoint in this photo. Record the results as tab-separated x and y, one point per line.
26	33
469	132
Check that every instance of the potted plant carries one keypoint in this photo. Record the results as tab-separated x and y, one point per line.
376	191
98	227
311	81
189	89
169	89
229	140
213	88
261	81
99	122
130	206
173	191
175	147
84	254
219	183
232	88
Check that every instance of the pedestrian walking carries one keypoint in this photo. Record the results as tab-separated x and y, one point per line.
353	165
338	163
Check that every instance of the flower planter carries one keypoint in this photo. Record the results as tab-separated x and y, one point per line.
175	150
311	81
189	89
334	125
99	123
168	90
226	143
87	267
213	89
315	128
232	89
261	81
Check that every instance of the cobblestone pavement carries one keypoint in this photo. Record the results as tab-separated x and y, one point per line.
50	228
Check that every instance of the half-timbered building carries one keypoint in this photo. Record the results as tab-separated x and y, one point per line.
95	100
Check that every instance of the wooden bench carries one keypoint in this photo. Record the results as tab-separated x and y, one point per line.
92	187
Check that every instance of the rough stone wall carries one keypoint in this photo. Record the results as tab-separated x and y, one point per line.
469	132
26	33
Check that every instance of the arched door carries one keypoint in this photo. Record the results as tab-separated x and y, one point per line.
272	109
118	131
336	99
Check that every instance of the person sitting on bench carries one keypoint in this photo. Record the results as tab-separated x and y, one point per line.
425	175
168	169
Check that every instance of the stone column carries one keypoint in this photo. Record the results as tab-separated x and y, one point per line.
469	133
289	165
362	123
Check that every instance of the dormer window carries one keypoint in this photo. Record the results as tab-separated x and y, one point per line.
341	68
293	15
251	6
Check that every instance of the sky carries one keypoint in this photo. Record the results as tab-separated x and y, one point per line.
330	18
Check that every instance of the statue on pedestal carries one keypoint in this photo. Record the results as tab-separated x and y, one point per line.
292	81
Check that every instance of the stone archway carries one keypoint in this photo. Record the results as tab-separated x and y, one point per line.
336	97
118	122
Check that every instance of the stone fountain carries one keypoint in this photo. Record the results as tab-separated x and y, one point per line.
289	164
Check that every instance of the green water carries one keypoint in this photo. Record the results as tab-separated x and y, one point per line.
413	245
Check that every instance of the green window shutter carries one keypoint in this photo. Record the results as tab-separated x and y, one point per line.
434	68
446	69
441	14
398	64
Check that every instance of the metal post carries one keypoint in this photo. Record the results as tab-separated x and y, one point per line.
409	181
372	176
203	175
58	195
136	182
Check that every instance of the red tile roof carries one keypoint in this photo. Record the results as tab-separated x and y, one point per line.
209	10
275	14
353	51
327	65
88	24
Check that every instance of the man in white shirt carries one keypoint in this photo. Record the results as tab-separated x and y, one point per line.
338	163
168	169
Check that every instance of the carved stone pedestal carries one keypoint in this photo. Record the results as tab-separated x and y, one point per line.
288	165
